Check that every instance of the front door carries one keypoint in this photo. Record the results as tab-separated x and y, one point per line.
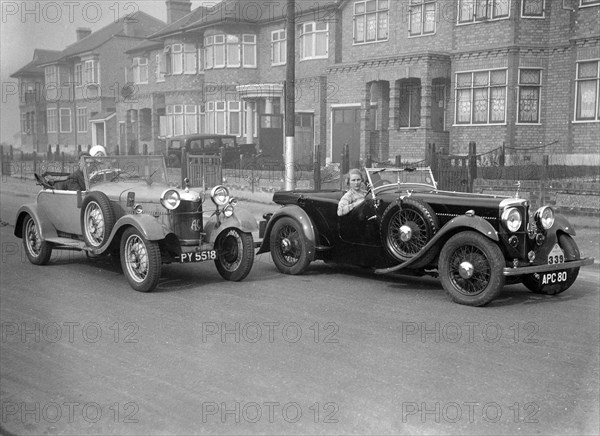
346	130
270	136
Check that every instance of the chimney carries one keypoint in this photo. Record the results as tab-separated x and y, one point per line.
177	9
128	26
82	32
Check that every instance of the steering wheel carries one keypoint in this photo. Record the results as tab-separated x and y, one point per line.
43	181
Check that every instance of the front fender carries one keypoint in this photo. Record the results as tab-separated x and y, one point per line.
301	217
147	225
45	227
241	219
562	224
461	222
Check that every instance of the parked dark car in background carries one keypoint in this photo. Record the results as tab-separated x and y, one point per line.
129	212
234	154
475	243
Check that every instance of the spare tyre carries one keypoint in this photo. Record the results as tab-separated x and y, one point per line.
97	219
406	227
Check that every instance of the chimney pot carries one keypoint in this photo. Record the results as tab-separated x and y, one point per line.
82	32
177	9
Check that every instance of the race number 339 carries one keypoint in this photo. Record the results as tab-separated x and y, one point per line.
556	255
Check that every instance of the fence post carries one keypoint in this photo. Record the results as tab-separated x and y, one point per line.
317	168
398	162
544	179
62	161
431	159
22	163
502	158
184	165
345	165
34	162
472	169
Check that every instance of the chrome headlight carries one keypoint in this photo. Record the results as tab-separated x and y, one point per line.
170	199
228	211
512	219
544	216
220	195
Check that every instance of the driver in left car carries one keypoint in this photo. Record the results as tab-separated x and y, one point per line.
355	195
76	180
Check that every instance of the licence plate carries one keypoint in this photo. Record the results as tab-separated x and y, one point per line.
199	256
556	255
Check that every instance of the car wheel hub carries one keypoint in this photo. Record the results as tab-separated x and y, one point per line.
466	270
286	245
405	233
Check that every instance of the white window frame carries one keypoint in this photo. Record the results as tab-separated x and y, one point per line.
190	119
82	120
521	87
209	50
382	11
51	75
78	74
474	16
178	120
210	117
176	59
233	51
60	120
140	70
234	111
220	114
158	74
91	72
422	6
588	3
488	97
312	37
248	41
278	47
169	123
220	46
578	82
190	59
51	120
524	13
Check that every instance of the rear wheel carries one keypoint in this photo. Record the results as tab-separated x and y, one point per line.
235	254
470	268
38	251
406	228
288	247
141	260
97	219
561	280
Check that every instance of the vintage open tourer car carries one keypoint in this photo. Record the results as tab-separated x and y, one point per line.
475	243
128	210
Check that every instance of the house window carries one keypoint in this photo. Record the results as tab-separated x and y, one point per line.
24	123
533	8
249	51
481	97
470	11
176	59
409	103
587	93
51	73
82	120
65	120
422	17
189	59
202	118
371	19
78	74
178	120
209	51
219	51
278	47
91	72
220	117
233	123
168	129
314	40
158	74
233	51
52	121
584	3
530	83
191	119
140	70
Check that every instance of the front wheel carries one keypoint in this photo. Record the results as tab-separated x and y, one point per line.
38	251
288	247
558	281
235	254
470	268
141	260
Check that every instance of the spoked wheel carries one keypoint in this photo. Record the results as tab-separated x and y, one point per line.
406	228
38	251
558	281
141	260
288	247
97	219
470	268
235	254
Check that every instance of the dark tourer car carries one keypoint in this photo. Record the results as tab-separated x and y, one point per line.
475	243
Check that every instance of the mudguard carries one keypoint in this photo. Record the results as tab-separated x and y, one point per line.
241	219
301	217
460	222
46	229
562	224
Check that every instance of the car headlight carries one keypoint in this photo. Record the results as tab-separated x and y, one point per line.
170	199
228	211
512	219
544	216
220	195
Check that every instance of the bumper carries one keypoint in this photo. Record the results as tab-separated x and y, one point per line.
545	268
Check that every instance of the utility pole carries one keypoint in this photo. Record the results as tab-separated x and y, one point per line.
290	97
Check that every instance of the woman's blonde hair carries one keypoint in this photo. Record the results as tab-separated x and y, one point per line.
354	171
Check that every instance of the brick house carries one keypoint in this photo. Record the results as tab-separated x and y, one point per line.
78	87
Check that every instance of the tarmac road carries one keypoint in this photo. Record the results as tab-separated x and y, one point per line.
335	351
